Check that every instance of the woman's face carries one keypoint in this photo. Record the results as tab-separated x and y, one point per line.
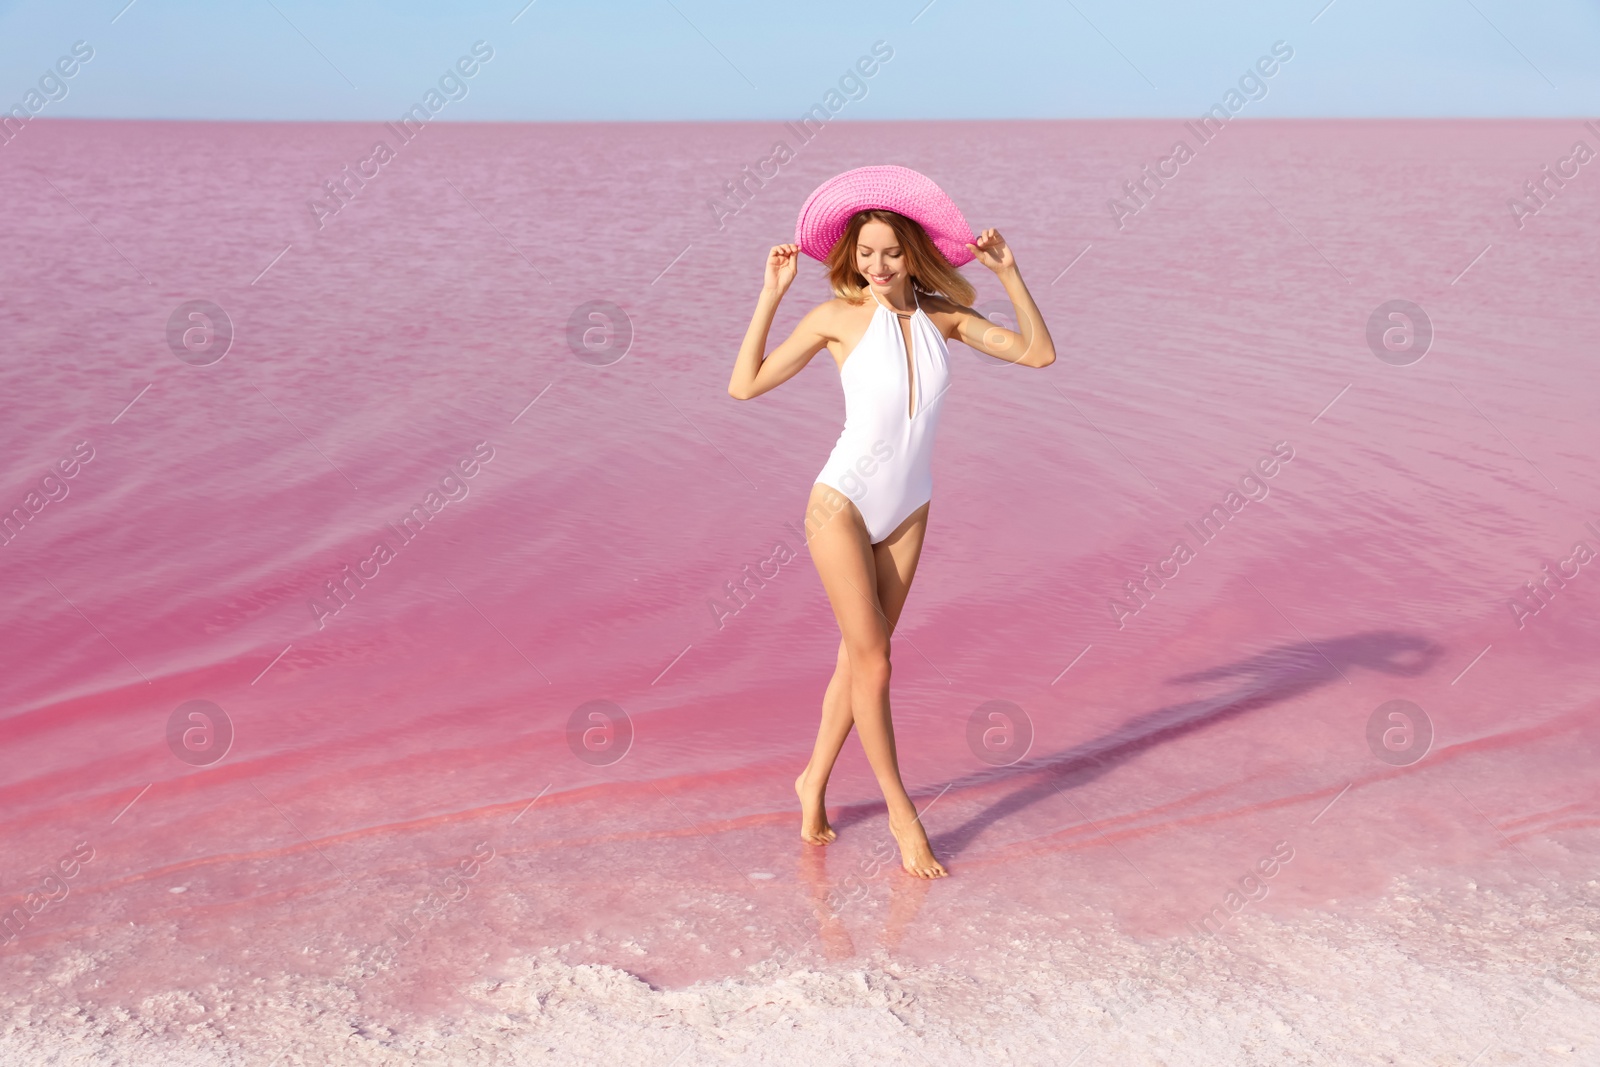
879	257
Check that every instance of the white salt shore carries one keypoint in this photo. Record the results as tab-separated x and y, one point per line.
1419	978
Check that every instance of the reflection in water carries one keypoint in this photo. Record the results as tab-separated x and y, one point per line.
832	899
906	897
835	936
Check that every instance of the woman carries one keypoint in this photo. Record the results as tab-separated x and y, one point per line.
891	240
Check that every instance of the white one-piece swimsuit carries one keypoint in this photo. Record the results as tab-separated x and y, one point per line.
883	461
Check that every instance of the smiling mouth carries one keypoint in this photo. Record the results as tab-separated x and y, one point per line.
880	279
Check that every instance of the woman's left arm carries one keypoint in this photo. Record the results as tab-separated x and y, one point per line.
1029	344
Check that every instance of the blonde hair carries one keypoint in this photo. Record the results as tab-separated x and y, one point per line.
930	272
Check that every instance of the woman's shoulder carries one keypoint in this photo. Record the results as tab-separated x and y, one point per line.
836	304
835	309
945	314
937	304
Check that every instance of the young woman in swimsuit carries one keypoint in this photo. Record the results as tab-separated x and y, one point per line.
899	300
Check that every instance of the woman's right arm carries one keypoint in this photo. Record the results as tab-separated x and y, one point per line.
754	371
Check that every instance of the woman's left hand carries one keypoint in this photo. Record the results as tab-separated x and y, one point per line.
992	251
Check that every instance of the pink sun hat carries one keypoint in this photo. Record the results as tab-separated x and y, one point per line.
828	210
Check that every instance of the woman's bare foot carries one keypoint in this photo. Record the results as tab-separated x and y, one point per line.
916	855
814	828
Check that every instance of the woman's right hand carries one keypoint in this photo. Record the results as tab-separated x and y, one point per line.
783	262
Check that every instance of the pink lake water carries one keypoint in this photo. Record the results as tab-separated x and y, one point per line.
319	892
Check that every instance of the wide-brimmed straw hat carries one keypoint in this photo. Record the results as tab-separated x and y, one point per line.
828	210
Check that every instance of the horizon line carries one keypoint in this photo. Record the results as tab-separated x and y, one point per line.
1580	116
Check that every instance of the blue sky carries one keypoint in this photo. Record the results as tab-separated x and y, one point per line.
720	59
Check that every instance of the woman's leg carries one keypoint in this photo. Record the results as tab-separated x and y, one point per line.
812	785
896	558
849	567
895	564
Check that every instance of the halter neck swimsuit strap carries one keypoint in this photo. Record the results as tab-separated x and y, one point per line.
891	309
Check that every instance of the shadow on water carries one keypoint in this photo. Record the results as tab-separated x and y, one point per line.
1259	681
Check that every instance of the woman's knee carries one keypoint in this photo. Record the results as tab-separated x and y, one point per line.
869	663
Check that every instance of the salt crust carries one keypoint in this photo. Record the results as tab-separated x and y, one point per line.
1414	979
